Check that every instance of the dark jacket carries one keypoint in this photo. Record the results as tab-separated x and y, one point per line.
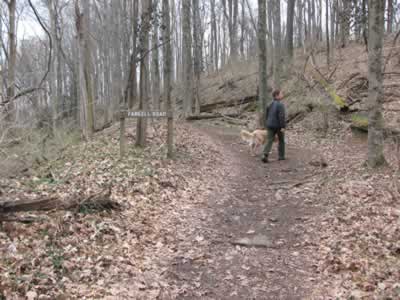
276	115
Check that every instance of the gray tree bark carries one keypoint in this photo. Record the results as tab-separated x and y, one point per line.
277	44
12	60
289	32
141	129
375	79
168	72
187	57
85	75
262	59
155	78
328	47
197	54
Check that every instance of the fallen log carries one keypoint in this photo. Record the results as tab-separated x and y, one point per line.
339	102
98	201
360	124
222	104
210	116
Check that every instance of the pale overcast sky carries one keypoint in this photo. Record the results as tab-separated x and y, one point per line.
28	25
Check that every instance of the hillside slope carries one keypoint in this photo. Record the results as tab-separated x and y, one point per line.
236	85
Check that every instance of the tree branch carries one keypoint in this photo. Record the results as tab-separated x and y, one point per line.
39	87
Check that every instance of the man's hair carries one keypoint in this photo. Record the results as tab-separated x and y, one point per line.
276	93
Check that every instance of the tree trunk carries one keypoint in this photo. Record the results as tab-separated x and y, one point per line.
197	53
242	29
300	23
270	44
187	57
262	59
277	44
54	100
133	90
85	82
155	65
390	16
333	19
345	13
233	28
375	79
168	72
12	61
94	201
141	129
328	47
313	23
214	35
117	55
289	34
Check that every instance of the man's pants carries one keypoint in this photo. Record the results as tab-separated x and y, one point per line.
270	141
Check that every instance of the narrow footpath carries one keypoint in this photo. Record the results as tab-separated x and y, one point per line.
251	229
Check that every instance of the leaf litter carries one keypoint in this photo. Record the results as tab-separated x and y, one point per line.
353	243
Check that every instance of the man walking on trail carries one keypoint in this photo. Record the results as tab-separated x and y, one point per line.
275	119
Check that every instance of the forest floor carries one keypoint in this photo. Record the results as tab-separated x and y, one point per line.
250	229
214	223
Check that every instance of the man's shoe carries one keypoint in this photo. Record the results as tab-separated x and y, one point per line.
282	158
264	160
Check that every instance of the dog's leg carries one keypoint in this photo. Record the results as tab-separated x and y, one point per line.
253	149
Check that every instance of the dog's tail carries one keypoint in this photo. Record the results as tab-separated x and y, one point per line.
246	135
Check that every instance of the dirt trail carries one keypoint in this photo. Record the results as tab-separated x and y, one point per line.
251	204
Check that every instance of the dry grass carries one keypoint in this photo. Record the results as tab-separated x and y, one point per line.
26	147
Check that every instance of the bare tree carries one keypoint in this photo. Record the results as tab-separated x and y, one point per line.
262	57
375	79
167	51
328	47
197	53
85	74
187	57
214	36
155	78
12	60
289	29
141	131
277	43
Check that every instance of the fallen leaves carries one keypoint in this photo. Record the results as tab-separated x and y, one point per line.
356	235
104	254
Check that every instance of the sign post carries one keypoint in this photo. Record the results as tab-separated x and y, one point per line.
122	140
124	113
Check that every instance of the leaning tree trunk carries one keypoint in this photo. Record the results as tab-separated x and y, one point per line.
375	79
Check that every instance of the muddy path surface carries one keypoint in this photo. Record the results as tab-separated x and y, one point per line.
252	231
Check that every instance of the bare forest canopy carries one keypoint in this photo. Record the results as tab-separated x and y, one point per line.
72	64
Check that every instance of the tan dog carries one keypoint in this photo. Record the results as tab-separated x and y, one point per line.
254	139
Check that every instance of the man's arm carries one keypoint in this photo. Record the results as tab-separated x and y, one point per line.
266	115
282	116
